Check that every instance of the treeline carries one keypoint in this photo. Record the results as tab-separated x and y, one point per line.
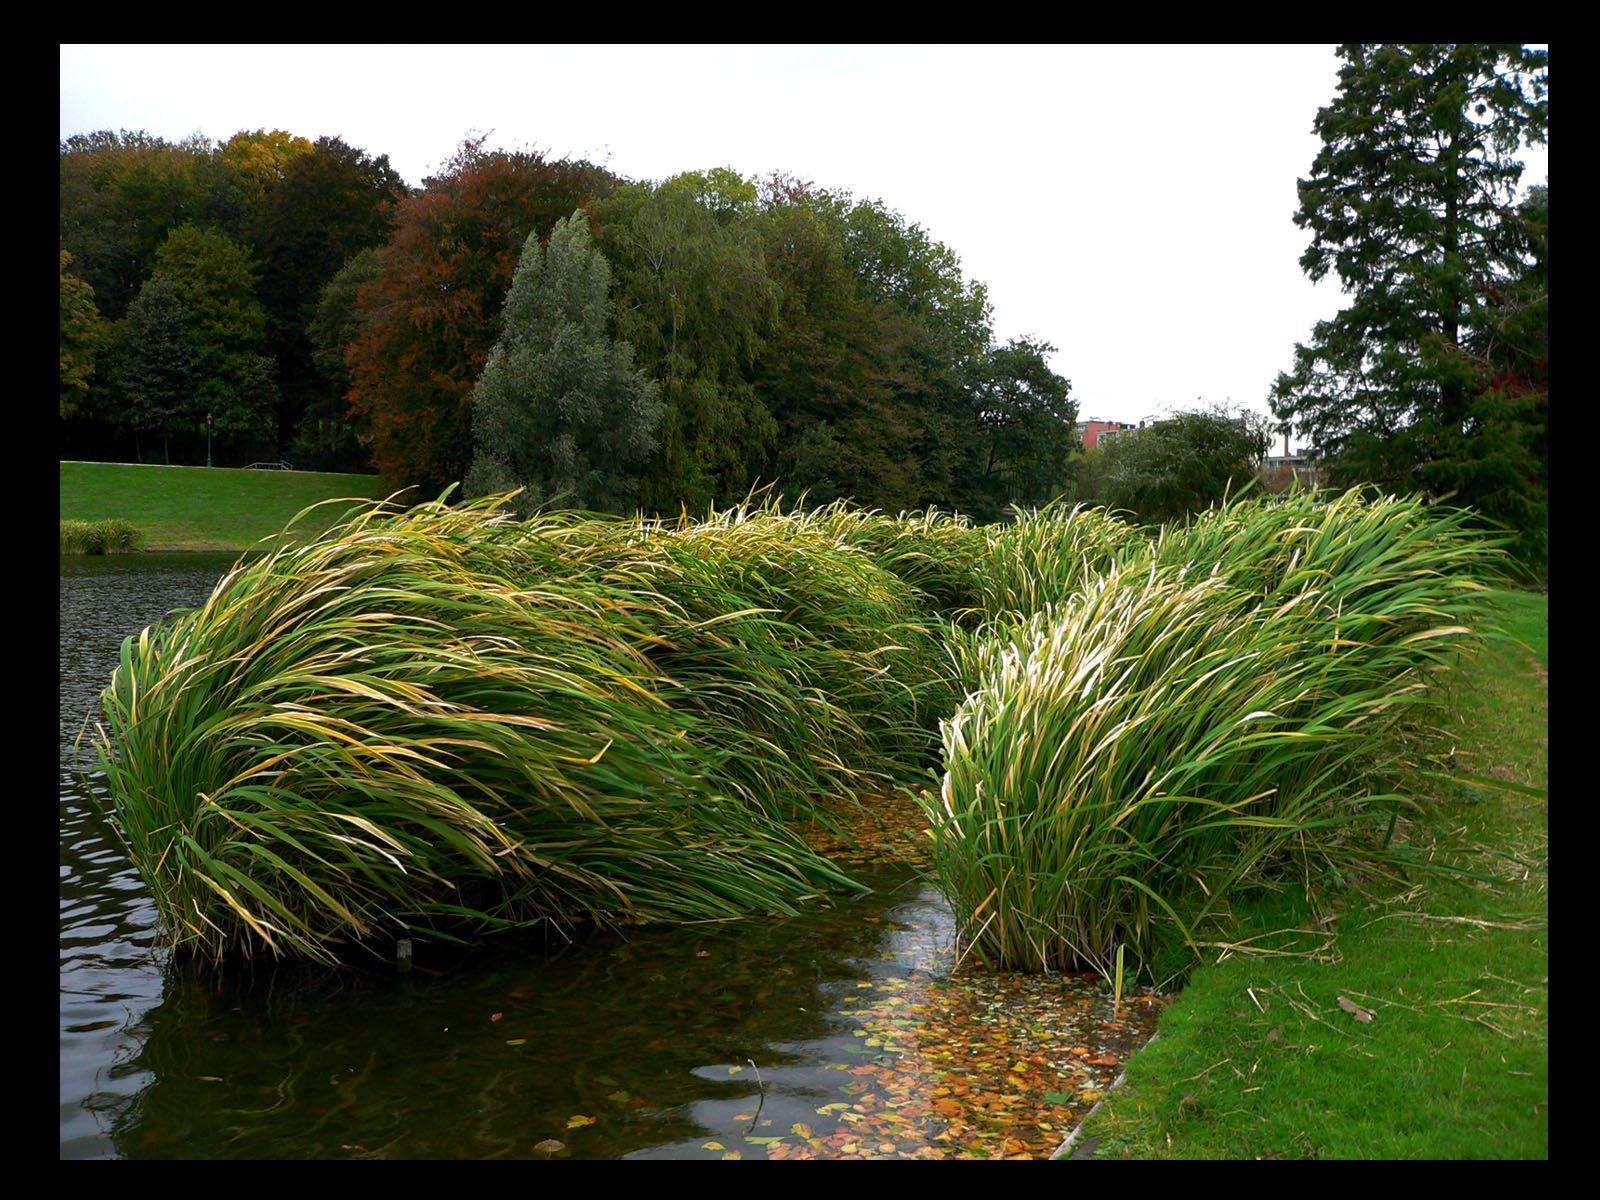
315	308
191	276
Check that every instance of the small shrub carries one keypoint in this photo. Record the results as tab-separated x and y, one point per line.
110	536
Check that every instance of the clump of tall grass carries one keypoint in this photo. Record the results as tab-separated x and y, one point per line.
820	669
1040	558
1379	562
112	535
446	719
1046	555
944	556
1137	750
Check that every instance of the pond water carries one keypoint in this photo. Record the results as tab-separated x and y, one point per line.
750	1038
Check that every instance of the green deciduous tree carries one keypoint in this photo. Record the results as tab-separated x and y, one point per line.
316	208
834	370
1410	204
882	372
326	438
158	373
1180	466
900	267
696	302
83	336
121	194
560	410
1021	438
202	325
898	262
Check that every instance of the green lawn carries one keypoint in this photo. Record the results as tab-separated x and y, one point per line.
1259	1059
203	508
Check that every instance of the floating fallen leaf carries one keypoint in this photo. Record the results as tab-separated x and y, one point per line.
1355	1010
574	1122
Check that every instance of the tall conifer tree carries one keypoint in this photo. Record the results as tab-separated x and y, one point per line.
1411	203
560	409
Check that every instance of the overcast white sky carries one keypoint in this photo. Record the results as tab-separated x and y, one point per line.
1130	204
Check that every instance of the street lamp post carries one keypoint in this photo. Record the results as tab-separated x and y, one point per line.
208	439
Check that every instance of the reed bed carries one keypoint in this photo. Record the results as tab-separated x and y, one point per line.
1134	752
1043	557
447	720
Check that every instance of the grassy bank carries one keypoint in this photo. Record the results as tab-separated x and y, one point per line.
201	508
1422	1032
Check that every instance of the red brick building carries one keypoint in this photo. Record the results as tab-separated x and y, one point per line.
1091	431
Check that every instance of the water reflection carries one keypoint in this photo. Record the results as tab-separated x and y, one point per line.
644	1044
111	970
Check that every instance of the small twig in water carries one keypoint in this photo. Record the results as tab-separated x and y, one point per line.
761	1103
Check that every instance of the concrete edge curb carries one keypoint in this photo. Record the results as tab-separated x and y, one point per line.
1071	1139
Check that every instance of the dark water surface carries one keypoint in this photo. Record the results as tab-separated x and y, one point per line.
111	976
648	1046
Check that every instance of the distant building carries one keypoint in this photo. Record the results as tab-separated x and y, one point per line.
1278	472
1092	431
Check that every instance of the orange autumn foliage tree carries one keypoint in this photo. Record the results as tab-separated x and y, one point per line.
430	318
